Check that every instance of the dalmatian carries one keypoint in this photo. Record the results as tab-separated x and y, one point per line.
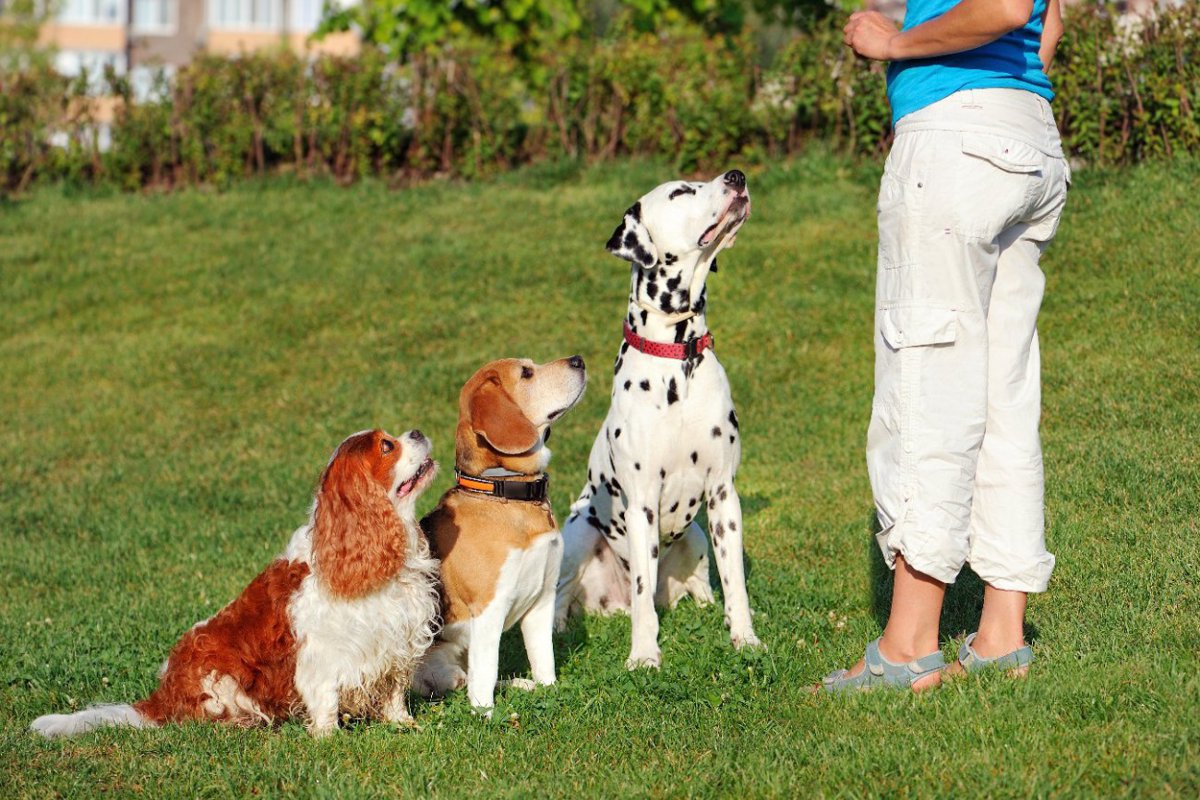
670	442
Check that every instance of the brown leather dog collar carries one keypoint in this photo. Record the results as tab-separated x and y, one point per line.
535	490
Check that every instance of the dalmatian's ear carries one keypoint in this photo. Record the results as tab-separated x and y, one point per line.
631	241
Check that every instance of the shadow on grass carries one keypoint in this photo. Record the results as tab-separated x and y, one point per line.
962	606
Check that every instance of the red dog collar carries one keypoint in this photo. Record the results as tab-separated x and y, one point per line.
687	351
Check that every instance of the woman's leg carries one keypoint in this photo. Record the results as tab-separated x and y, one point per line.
912	627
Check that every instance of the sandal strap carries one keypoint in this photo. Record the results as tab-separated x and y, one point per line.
878	671
973	662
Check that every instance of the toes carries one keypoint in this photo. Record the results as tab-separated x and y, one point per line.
644	661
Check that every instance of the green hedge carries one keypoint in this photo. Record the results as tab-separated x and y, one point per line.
1126	92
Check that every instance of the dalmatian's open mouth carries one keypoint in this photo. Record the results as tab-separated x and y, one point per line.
730	220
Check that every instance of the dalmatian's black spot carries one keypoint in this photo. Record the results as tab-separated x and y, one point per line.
635	211
712	503
718	530
665	304
692	502
713	268
617	367
722	552
652	290
681	330
724	492
614	483
732	525
716	432
624	348
681	190
654	551
645	316
682	299
628	384
672	395
674	506
670	258
695	456
637	465
604	601
662	271
699	305
624	563
632	322
649	514
621	515
645	386
732	438
673	284
662	473
640	588
733	420
617	433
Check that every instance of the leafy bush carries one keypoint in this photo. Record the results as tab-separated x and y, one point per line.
1126	91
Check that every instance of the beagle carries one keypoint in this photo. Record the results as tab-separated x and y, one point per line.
494	532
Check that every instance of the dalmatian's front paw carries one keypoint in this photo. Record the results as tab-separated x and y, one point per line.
747	641
647	660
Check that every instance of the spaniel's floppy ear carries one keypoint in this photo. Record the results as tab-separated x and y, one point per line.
358	539
496	418
631	241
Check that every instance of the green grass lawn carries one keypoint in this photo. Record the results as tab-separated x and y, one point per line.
176	370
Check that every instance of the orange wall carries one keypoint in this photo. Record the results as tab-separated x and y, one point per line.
83	37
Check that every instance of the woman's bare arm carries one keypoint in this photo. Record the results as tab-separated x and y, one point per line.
970	24
1052	33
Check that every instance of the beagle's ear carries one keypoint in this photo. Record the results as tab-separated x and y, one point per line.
631	241
499	420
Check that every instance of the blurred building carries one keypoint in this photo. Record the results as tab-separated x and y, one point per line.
139	37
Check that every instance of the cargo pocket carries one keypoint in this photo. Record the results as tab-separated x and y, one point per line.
910	331
1007	154
895	216
917	325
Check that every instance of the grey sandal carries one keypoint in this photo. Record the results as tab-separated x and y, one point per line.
973	662
878	671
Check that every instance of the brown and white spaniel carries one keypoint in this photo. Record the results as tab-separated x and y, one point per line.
337	624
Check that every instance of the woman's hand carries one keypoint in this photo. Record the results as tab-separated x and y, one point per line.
870	34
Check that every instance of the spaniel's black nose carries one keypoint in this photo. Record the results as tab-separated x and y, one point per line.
576	362
736	178
416	436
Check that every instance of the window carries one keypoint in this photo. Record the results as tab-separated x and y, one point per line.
93	12
156	16
305	15
72	63
244	14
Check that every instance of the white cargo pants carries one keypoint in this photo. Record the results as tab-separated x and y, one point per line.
971	195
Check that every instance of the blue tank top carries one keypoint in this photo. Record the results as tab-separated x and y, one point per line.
1010	62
